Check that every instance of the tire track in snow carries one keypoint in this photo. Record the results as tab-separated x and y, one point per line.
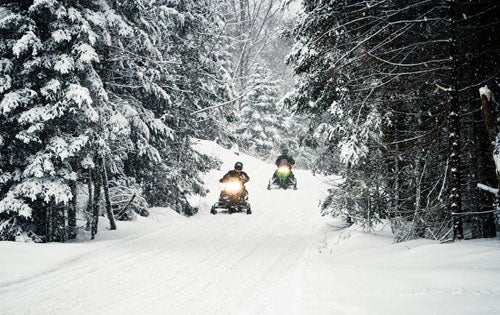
285	256
223	264
208	264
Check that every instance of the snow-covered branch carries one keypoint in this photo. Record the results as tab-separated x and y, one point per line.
487	188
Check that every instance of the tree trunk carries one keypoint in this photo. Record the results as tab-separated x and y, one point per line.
97	197
396	182
490	118
62	214
127	205
90	203
109	211
72	211
490	121
418	217
454	194
455	189
48	229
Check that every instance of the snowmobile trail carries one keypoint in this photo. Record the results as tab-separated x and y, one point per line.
210	264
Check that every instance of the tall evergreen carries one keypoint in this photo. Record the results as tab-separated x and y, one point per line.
159	69
262	127
102	92
51	105
387	85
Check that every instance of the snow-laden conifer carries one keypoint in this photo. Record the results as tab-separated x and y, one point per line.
389	89
262	126
48	111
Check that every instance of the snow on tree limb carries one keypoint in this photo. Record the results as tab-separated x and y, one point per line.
487	188
485	91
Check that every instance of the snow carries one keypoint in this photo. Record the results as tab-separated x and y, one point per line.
119	124
486	92
282	259
64	65
52	87
87	54
352	150
487	188
172	14
3	12
158	126
5	83
60	36
80	96
39	5
11	203
29	40
51	190
6	65
358	273
292	9
496	159
87	162
10	102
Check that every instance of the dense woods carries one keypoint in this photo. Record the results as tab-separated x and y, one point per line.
100	101
392	88
96	92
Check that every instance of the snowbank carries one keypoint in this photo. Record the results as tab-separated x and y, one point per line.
355	273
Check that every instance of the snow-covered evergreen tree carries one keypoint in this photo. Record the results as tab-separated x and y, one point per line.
371	76
178	75
345	128
100	89
50	107
261	126
157	69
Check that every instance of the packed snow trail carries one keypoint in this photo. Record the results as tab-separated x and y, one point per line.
222	264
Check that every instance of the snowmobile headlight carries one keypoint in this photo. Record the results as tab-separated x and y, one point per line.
283	170
233	186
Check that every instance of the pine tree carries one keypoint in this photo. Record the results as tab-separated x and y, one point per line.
50	109
163	75
388	91
102	92
261	128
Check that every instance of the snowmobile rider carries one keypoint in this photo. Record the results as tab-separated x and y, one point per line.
238	174
234	195
285	159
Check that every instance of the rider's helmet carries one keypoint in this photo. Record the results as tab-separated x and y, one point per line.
238	166
284	151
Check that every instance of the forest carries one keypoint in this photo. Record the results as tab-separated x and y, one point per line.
100	101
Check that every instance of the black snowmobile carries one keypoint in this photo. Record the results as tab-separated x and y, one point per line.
233	197
283	178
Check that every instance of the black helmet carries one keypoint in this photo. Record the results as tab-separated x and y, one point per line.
238	166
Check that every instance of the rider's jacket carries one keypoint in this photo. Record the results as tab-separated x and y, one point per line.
240	175
285	160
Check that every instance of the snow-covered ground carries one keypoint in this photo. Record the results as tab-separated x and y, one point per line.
282	259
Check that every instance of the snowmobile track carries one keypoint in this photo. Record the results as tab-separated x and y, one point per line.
206	264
